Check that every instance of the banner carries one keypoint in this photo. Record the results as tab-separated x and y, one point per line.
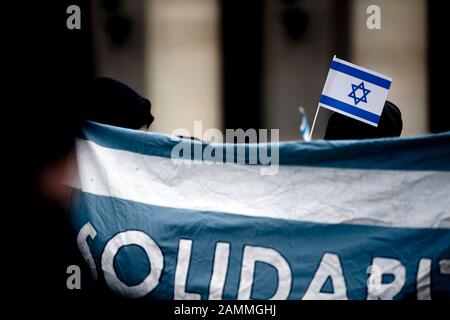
363	219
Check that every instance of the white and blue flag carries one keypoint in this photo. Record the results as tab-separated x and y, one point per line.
355	91
355	220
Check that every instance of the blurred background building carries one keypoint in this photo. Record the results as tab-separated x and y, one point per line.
250	64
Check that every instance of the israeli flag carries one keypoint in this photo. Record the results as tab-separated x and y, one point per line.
354	91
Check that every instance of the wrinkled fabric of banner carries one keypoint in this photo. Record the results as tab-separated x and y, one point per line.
337	220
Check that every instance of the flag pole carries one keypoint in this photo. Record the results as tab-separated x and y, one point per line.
314	121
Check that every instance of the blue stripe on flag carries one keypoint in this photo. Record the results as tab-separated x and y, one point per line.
360	113
360	74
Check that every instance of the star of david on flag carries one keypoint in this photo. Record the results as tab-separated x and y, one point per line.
355	91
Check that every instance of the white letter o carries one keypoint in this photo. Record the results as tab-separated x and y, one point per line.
154	256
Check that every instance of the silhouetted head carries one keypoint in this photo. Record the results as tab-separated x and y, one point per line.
112	102
341	127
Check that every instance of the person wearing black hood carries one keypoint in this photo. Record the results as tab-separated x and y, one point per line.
112	102
341	127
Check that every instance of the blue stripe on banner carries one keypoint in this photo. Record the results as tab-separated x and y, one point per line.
358	112
360	74
430	152
301	244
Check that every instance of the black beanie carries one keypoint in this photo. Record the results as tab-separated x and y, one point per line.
112	102
341	127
